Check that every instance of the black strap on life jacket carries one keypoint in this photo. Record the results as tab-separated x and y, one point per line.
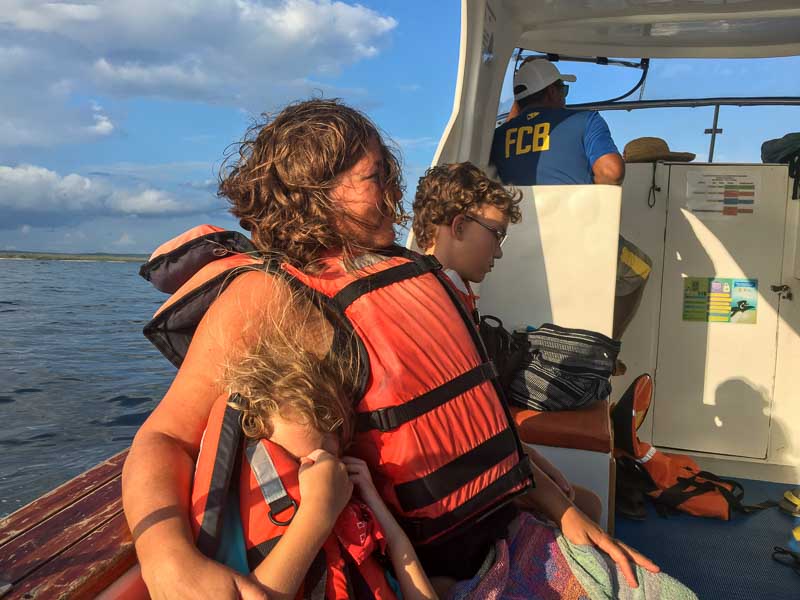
476	339
316	578
689	487
421	492
386	419
230	439
443	526
258	553
419	265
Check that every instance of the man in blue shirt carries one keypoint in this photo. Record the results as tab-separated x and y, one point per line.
547	144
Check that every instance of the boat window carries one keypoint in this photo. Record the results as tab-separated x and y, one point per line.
744	129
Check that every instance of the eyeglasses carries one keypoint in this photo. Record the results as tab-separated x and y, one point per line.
564	89
499	235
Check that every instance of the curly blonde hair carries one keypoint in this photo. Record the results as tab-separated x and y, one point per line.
446	191
279	178
285	373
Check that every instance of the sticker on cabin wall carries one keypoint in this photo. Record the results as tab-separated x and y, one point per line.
715	195
720	300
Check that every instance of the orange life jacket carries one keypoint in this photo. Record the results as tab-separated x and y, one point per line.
674	481
431	424
269	495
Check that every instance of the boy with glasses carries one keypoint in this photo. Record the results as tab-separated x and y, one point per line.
462	217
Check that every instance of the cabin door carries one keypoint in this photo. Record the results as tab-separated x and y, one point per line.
718	324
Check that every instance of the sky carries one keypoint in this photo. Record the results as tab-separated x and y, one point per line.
115	116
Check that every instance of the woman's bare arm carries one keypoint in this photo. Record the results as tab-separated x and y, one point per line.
158	472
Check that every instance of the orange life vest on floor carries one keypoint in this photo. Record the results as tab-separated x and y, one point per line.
672	480
431	424
269	495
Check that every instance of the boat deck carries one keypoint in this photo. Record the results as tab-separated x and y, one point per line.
72	542
722	559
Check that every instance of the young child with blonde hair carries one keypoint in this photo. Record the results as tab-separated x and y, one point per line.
332	530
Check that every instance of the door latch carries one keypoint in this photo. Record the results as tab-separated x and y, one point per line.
784	291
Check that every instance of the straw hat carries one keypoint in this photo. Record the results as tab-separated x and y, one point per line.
651	149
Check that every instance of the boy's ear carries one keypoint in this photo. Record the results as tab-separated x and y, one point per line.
457	227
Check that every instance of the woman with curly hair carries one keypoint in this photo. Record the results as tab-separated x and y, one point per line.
320	193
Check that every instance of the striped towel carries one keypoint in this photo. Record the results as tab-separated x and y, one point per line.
530	565
539	562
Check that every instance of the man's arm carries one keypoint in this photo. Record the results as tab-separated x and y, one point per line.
609	169
601	151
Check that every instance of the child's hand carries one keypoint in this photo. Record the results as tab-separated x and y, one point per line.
360	475
325	486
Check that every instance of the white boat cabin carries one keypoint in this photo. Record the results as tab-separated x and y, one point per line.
725	392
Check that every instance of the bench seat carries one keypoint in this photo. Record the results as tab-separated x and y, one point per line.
587	428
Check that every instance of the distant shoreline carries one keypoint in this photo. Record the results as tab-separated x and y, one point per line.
101	257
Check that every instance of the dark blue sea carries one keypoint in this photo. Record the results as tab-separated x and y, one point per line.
77	377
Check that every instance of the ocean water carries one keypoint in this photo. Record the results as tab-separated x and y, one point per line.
77	377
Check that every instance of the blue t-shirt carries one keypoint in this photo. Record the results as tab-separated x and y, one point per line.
550	146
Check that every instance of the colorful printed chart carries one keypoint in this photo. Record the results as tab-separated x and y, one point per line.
720	300
722	195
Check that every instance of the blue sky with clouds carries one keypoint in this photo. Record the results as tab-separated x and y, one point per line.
115	116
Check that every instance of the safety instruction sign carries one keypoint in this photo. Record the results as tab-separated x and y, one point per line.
711	194
720	300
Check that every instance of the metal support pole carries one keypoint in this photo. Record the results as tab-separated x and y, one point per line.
713	131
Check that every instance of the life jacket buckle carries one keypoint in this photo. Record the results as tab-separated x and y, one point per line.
285	523
382	420
435	265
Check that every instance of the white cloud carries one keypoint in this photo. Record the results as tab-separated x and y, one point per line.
102	124
33	196
251	54
125	240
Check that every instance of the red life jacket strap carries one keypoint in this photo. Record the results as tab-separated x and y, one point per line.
439	484
513	483
230	437
387	419
272	488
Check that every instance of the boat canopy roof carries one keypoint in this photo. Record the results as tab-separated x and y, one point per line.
494	31
658	28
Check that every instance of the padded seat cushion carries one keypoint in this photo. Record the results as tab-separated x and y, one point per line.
588	428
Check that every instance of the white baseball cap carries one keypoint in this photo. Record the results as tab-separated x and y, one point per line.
535	75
